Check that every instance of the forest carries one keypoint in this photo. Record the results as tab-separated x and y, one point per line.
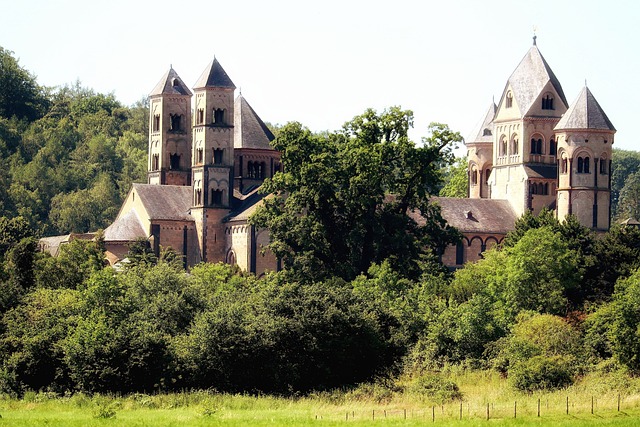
553	303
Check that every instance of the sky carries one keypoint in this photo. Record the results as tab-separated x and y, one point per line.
322	63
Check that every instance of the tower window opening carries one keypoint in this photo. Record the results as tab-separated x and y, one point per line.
176	122
474	177
536	146
200	116
250	170
198	197
263	170
156	123
155	162
563	166
552	147
218	156
514	146
218	116
603	166
503	146
199	156
174	161
547	103
583	165
216	197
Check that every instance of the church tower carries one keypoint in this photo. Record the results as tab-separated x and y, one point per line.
524	146
480	156
585	135
212	159
170	132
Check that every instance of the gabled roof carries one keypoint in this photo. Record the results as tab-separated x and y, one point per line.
169	202
214	76
125	229
245	205
487	216
170	84
529	79
483	132
250	131
585	113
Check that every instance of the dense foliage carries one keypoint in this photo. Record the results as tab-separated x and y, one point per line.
67	155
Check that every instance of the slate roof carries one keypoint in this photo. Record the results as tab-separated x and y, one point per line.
486	215
170	84
483	131
169	202
250	131
125	229
545	171
214	76
529	79
585	113
245	205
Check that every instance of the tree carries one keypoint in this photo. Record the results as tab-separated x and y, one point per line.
624	164
456	179
357	196
629	201
20	95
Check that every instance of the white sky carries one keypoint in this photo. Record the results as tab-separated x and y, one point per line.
321	63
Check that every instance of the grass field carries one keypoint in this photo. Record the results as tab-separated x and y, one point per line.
367	405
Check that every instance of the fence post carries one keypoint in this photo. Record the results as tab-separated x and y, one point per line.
567	405
487	410
433	413
538	407
515	409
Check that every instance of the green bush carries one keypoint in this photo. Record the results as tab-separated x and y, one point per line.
435	388
540	373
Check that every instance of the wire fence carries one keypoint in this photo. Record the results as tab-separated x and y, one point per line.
526	407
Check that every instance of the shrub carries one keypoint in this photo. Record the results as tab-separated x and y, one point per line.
435	388
540	373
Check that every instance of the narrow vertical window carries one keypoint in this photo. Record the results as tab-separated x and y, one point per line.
200	118
218	156
156	123
509	100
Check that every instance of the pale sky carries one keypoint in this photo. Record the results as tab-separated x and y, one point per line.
321	63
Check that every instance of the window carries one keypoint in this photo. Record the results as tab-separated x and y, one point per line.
156	123
198	197
503	146
200	116
155	162
563	166
216	197
474	177
459	253
218	116
263	170
552	147
509	100
176	122
199	156
603	166
251	173
547	102
514	145
583	165
218	156
536	146
487	173
174	161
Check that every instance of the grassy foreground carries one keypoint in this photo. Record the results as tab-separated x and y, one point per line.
366	405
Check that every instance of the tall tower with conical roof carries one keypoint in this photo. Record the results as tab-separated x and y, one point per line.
524	146
212	159
585	135
170	132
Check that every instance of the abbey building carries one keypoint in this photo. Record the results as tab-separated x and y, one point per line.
203	176
533	150
209	152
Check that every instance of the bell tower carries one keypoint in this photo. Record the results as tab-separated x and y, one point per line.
212	158
585	135
170	132
480	155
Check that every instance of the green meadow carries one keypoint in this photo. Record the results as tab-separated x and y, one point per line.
368	404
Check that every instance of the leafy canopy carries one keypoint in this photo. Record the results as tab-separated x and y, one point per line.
357	196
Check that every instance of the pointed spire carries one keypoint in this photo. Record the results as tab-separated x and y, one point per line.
249	129
170	84
214	76
585	113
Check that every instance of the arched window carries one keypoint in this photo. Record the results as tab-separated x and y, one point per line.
200	116
533	188
474	176
536	146
547	102
218	156
155	162
216	197
540	188
156	123
218	116
603	166
503	146
509	100
199	156
546	189
263	170
587	163
514	145
486	174
583	165
174	161
552	147
563	169
175	122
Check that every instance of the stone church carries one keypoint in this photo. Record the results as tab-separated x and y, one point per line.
203	176
533	150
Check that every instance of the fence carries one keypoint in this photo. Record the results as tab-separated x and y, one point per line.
526	407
